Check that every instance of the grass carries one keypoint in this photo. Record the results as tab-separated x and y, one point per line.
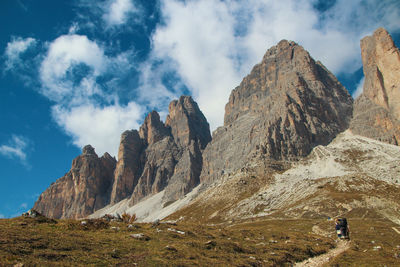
274	242
67	242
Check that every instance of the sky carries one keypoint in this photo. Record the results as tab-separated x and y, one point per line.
79	72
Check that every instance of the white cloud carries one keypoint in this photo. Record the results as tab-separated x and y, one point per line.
99	126
15	148
14	50
207	46
66	54
213	44
2	216
69	76
117	12
24	206
359	89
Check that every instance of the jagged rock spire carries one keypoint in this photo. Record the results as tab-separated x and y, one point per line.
377	109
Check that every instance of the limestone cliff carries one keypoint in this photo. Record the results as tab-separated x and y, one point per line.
159	156
129	166
81	191
173	161
377	109
287	105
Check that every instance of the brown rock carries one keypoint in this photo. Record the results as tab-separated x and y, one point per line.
174	162
129	166
191	132
287	105
155	158
160	159
153	130
83	190
377	109
188	123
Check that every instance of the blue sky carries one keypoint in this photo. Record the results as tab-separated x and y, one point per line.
79	71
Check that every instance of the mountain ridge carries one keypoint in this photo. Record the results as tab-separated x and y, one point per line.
287	107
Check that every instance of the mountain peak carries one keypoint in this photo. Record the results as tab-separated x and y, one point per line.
187	122
88	150
377	109
287	105
153	130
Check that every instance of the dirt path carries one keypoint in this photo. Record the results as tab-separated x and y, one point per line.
325	258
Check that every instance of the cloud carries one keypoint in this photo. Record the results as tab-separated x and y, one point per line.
359	89
211	44
2	216
24	206
83	84
117	12
203	48
109	14
70	68
15	148
15	49
99	126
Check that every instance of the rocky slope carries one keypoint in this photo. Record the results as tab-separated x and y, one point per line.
287	105
353	176
157	157
377	109
81	191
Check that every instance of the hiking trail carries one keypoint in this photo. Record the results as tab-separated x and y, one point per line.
325	258
322	259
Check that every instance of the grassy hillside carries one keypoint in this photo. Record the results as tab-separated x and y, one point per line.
64	242
44	242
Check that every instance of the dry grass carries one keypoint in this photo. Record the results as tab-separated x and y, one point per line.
98	243
38	242
373	243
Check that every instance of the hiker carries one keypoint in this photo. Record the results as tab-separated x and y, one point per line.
342	228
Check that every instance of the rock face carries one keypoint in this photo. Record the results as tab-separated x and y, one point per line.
172	159
153	130
191	133
159	156
377	109
83	190
287	105
129	166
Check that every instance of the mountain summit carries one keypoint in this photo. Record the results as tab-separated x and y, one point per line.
287	105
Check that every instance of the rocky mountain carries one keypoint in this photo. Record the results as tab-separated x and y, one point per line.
287	105
129	166
377	109
353	176
172	159
159	156
81	191
290	147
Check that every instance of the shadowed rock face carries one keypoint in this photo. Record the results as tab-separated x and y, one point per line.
187	123
174	161
129	166
287	105
377	109
83	190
